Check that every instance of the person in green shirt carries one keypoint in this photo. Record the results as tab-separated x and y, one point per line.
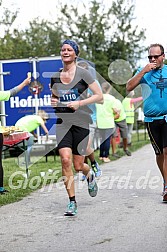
30	123
5	96
106	114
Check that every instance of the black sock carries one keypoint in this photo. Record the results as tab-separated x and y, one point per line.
72	198
94	162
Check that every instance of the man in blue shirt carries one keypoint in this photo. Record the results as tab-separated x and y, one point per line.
153	80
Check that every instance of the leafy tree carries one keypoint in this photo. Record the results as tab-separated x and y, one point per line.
125	42
89	29
7	19
126	39
105	35
43	38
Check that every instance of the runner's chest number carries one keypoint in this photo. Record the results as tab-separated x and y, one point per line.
70	95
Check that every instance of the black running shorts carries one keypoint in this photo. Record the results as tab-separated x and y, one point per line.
157	131
73	137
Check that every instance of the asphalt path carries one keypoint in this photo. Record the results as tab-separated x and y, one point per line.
127	215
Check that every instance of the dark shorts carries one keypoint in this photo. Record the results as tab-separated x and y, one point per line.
157	131
73	137
123	128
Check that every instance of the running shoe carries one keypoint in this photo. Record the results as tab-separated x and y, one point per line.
163	189
92	186
71	209
165	196
96	169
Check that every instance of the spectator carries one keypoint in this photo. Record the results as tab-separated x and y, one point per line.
4	96
30	123
128	104
106	113
122	125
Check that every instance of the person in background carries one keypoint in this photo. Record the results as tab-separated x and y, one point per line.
92	128
5	96
114	143
30	123
70	101
128	105
152	78
106	114
122	125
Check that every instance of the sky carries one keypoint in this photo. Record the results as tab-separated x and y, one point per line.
150	14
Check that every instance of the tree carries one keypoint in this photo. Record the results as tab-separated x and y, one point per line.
89	29
43	38
125	43
126	39
105	35
7	19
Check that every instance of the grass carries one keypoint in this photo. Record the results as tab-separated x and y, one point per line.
19	186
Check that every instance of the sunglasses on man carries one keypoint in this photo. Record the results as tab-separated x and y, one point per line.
154	56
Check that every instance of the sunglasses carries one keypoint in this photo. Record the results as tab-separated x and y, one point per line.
154	56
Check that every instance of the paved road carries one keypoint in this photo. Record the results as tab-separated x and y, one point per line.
126	216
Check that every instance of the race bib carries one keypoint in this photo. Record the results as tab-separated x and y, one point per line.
66	96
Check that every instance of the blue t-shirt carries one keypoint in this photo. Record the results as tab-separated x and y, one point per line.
93	106
154	92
